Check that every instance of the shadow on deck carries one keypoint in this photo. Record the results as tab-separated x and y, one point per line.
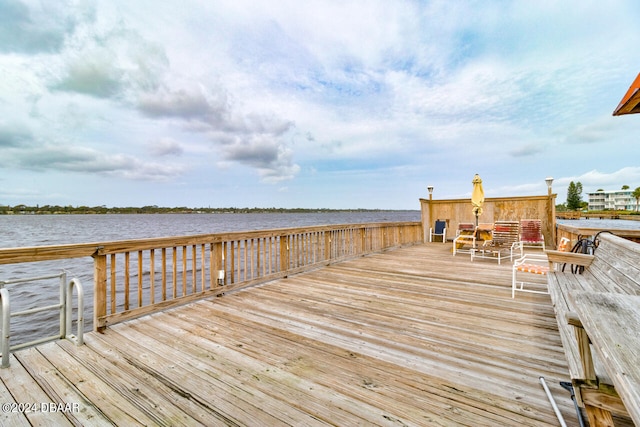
412	336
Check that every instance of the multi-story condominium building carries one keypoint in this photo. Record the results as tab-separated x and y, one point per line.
612	199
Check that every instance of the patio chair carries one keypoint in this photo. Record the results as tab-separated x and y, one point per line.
530	235
533	264
468	234
439	230
465	227
504	237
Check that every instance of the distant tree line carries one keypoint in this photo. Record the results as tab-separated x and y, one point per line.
59	210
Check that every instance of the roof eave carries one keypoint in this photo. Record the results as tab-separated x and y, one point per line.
630	103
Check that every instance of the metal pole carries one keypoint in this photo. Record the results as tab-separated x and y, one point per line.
569	387
553	402
6	325
63	312
429	223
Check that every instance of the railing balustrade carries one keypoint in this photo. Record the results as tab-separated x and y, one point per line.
137	277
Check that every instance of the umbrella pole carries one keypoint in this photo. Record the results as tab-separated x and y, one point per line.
475	232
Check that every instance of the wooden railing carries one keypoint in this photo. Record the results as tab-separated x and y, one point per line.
588	215
137	277
576	233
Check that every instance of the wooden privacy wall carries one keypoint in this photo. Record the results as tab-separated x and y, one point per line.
455	211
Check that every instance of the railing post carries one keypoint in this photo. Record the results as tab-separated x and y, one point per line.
218	263
327	245
100	291
6	326
284	254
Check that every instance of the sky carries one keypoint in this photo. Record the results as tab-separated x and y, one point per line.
315	103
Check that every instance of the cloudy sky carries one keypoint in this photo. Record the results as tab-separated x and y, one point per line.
315	103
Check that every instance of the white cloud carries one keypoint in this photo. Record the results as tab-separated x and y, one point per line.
594	179
185	104
166	147
49	157
112	63
37	27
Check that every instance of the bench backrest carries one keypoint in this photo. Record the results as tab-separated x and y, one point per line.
616	264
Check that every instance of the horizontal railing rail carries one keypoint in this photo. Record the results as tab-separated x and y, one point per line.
137	277
574	233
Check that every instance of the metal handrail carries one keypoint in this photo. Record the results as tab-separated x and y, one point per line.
6	308
65	306
78	338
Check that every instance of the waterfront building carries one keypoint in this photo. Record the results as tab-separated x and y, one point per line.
612	199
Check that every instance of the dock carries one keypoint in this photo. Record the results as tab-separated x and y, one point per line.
411	336
596	215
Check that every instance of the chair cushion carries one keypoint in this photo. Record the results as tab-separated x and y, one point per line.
533	268
564	245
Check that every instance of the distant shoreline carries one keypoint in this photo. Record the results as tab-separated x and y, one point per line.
103	210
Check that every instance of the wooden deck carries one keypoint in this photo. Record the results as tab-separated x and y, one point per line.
413	336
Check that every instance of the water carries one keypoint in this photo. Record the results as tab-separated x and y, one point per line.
39	230
42	230
605	224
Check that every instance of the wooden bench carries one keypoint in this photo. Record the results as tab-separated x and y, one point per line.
613	269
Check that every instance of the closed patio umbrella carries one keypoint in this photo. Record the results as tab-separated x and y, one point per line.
477	197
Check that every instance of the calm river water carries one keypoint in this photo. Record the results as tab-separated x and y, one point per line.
42	230
607	224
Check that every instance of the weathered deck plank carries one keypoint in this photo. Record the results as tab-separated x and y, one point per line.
409	337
